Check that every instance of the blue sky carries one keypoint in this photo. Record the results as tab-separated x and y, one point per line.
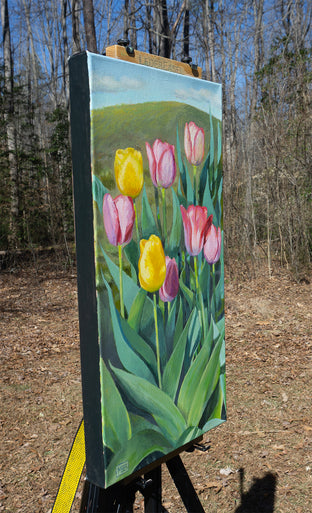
114	82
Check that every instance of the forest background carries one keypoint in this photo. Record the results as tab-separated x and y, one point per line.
260	50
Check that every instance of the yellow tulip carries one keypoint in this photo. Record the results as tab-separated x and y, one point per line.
129	171
152	264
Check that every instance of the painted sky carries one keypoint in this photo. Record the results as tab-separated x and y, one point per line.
114	82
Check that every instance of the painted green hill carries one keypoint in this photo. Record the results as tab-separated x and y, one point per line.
123	126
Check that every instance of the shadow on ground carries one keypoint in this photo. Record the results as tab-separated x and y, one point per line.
260	498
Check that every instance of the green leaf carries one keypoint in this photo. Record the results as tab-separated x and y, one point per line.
139	345
222	385
173	369
131	289
126	353
192	379
176	229
191	433
171	324
139	423
117	428
211	149
207	201
204	177
217	411
190	195
219	154
220	203
203	279
193	336
181	197
188	294
214	406
212	423
184	175
132	253
153	401
148	223
129	457
136	310
206	386
179	324
147	328
98	191
181	165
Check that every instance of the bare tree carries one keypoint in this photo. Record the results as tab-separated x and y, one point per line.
75	26
88	16
209	38
9	120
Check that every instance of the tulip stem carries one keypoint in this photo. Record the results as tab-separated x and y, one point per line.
157	208
122	308
200	296
157	341
163	192
195	184
136	222
214	289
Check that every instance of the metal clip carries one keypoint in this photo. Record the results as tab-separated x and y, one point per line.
123	42
202	447
126	44
186	59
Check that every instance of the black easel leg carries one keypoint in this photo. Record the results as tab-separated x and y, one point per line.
184	485
120	498
152	497
89	501
115	499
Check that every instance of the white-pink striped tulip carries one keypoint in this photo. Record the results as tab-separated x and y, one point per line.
162	163
194	143
118	217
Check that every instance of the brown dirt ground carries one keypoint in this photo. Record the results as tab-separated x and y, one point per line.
260	460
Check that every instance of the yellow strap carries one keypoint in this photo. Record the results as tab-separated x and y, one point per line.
72	473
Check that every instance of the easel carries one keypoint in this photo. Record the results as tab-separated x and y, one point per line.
120	497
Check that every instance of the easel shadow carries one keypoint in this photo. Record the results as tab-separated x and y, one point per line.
260	498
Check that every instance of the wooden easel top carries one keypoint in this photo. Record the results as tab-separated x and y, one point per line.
154	61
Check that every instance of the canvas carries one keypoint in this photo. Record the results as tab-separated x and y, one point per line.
147	162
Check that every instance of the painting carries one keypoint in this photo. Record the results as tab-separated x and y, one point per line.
156	272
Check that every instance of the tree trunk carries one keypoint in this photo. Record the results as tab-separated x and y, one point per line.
88	17
10	129
133	30
152	46
163	29
65	54
186	30
75	27
258	53
210	38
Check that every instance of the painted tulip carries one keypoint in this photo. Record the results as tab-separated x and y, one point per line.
118	217
162	163
170	287
194	143
196	225
212	246
129	171
152	264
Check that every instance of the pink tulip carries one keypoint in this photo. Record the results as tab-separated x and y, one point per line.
162	163
212	246
196	224
194	143
170	287
118	216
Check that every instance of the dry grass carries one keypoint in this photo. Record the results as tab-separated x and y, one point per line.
258	461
